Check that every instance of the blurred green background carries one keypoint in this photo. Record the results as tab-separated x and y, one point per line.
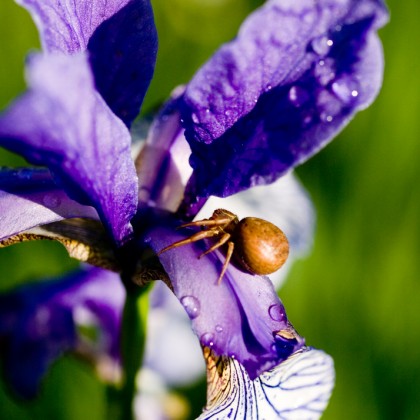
357	295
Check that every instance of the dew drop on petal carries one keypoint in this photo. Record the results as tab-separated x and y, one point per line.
298	96
195	119
321	45
324	71
207	339
325	117
346	89
51	201
219	328
191	306
276	313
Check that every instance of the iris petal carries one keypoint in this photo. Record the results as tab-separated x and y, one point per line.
297	388
271	98
123	54
239	317
67	25
121	38
63	123
39	322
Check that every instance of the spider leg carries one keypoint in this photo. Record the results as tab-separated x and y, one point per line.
193	238
225	237
229	253
207	222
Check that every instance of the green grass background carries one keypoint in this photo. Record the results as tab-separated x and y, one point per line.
357	296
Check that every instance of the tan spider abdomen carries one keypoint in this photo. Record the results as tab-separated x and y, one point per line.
260	247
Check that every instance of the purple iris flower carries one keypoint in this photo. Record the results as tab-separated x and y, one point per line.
80	312
265	102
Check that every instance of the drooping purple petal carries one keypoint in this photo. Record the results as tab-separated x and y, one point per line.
63	123
295	75
240	318
29	197
298	388
41	321
67	25
123	54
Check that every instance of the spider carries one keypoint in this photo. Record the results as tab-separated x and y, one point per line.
257	245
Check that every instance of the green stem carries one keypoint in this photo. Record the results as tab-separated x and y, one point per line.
133	337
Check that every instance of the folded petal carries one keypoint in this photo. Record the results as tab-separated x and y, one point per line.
297	388
162	164
242	317
267	101
29	197
123	54
63	123
67	25
38	322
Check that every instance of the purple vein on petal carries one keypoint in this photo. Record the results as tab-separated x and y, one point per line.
67	25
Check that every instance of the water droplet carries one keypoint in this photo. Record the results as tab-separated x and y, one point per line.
227	113
191	306
51	201
324	116
346	89
207	339
276	312
207	111
322	45
329	106
194	117
268	87
298	96
307	119
324	71
219	328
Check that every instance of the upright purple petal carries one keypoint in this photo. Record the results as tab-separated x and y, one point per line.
241	317
41	321
120	35
29	198
63	123
162	165
267	101
67	25
123	54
